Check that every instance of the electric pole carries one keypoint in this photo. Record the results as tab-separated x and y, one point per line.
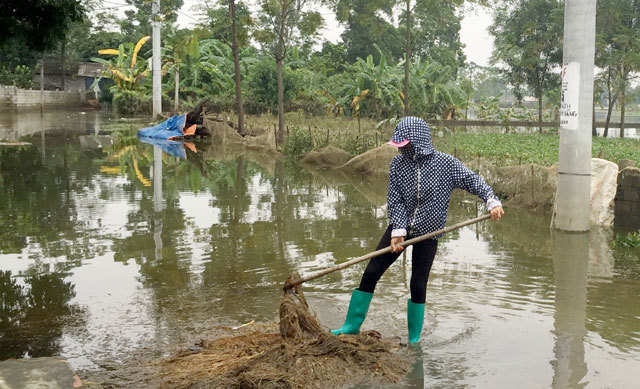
572	204
156	64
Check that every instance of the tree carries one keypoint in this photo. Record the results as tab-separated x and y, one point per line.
366	25
206	67
329	61
617	51
93	32
284	23
38	24
262	83
528	41
230	24
127	74
179	47
137	23
236	66
371	88
435	28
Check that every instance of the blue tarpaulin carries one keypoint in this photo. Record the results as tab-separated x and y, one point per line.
170	128
168	146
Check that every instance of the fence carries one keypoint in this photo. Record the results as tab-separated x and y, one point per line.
514	123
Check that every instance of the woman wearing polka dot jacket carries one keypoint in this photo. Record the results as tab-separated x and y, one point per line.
421	180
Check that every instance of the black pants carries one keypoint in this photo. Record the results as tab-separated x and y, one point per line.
423	254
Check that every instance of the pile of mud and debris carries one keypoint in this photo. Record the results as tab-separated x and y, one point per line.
297	353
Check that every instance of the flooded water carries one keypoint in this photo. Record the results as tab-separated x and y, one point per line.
110	249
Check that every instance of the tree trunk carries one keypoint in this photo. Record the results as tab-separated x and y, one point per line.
539	93
279	65
407	61
608	119
236	68
622	107
609	109
176	102
466	110
611	100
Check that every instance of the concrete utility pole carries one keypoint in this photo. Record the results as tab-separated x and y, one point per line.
572	206
156	65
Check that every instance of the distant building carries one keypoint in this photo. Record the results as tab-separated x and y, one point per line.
77	77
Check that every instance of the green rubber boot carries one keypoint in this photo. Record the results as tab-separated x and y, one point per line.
415	319
358	308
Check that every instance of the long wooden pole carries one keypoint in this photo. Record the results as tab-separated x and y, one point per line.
292	283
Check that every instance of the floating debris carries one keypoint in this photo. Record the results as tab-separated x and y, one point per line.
296	353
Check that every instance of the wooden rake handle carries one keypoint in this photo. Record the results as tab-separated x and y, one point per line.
290	284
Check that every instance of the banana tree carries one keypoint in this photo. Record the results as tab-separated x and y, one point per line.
382	82
175	55
207	69
125	69
434	91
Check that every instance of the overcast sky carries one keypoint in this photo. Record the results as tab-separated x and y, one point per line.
474	32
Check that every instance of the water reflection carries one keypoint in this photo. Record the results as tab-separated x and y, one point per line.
415	377
157	250
33	314
571	259
42	137
157	202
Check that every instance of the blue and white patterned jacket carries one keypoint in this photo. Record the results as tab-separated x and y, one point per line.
421	180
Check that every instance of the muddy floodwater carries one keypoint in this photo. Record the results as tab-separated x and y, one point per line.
113	251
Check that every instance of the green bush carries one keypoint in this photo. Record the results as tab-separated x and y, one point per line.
630	240
262	83
357	144
6	77
222	103
297	143
21	76
127	102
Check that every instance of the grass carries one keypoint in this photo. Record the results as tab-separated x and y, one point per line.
312	132
504	149
513	149
305	133
317	123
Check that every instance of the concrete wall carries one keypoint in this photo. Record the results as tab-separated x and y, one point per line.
14	98
627	209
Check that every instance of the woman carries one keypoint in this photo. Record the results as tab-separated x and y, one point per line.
421	180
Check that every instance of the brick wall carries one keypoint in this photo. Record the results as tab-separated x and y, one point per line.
627	210
14	98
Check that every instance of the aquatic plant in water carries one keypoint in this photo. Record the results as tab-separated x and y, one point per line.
630	240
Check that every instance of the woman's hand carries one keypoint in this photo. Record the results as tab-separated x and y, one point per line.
395	242
496	213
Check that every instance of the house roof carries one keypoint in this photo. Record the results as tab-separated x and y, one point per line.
82	69
89	69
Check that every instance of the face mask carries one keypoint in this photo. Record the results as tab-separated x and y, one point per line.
407	150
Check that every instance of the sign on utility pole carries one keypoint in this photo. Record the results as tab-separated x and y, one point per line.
156	67
572	204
